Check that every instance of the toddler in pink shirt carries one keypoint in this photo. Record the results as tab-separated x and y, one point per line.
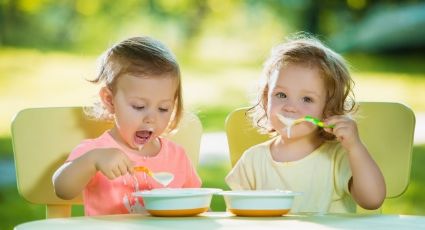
141	95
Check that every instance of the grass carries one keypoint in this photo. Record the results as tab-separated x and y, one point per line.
212	117
413	200
5	146
212	176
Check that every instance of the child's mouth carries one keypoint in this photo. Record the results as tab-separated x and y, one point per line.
142	137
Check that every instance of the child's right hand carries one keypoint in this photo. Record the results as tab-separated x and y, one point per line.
113	163
345	130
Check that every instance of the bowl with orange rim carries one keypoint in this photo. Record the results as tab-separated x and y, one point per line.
175	202
259	202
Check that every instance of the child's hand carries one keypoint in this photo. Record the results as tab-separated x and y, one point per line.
345	130
113	163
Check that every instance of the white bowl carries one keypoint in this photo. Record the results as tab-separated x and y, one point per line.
259	202
177	201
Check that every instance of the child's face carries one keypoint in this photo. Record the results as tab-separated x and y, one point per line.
142	107
296	91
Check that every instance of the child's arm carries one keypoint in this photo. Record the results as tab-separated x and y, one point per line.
71	178
367	184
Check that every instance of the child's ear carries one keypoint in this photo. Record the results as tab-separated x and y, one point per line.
106	97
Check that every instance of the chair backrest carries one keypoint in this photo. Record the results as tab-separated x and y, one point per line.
43	137
386	129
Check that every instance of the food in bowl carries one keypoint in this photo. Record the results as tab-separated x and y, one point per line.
259	202
177	201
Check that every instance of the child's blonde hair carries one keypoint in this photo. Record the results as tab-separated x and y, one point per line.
304	49
139	56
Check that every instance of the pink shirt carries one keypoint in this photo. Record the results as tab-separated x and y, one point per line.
103	196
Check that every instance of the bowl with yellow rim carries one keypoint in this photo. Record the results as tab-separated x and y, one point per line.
177	201
259	202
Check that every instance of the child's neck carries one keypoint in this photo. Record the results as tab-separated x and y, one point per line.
150	149
286	150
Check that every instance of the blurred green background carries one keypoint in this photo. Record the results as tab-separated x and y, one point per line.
49	47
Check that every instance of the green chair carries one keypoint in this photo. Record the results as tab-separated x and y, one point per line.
386	128
43	137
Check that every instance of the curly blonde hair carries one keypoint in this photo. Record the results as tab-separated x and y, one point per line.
307	50
140	56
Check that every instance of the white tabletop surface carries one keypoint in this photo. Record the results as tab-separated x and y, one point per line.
223	220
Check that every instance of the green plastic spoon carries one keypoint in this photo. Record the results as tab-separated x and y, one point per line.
315	121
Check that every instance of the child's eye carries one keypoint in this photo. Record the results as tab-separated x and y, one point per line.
307	99
280	95
138	107
163	110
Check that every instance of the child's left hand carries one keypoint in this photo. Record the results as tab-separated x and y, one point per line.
345	130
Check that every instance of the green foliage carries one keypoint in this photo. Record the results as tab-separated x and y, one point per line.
212	176
5	146
212	118
15	210
92	25
413	200
89	25
388	64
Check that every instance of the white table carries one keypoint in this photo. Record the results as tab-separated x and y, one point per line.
223	221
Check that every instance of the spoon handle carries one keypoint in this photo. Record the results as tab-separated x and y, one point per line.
143	169
317	122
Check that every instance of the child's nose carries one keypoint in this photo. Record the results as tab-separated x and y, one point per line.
289	107
149	117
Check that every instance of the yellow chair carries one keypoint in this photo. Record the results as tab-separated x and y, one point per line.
386	129
43	137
